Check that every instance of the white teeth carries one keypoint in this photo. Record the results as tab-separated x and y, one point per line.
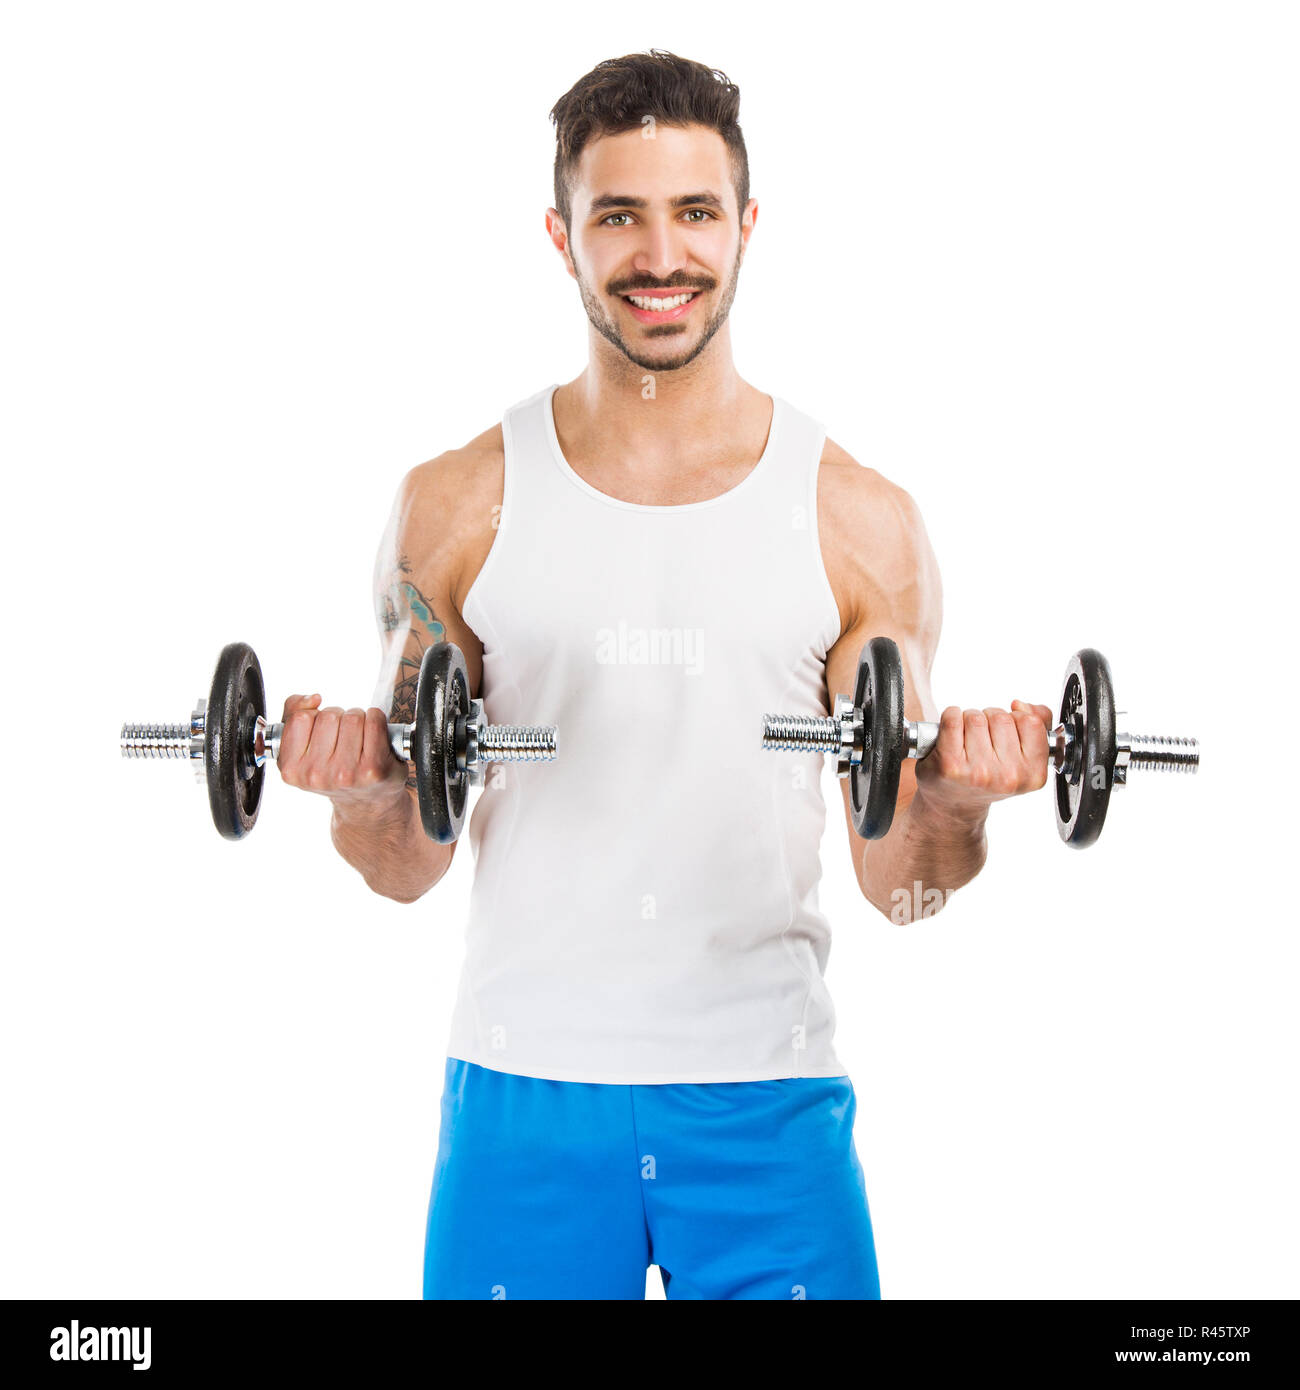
659	305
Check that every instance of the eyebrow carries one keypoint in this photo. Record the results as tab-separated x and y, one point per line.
606	201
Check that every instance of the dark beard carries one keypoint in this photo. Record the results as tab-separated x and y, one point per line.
609	330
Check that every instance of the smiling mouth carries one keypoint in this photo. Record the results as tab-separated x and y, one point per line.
660	299
660	307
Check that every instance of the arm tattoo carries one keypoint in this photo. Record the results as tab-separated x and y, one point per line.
405	607
422	610
404	704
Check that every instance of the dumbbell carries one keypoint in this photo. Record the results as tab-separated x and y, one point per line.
228	740
1086	749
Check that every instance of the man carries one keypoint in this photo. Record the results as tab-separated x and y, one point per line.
651	556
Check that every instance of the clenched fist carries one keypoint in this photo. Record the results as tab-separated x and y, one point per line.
342	754
983	756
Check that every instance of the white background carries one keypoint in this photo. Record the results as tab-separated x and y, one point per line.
1035	262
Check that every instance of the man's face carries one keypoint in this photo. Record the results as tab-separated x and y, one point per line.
656	219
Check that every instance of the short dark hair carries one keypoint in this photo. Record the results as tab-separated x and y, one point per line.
617	95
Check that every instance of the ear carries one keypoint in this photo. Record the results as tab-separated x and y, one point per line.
748	218
559	235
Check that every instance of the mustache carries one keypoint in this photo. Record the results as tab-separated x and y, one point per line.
671	288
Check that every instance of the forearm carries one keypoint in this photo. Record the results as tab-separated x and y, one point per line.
928	854
389	849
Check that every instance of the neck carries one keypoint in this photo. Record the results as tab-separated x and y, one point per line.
689	408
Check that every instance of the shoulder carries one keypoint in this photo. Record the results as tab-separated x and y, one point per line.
460	477
447	509
872	534
861	494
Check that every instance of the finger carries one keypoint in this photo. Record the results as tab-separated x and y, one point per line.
950	746
1033	738
347	751
296	733
324	736
975	733
1040	712
377	751
945	756
1004	736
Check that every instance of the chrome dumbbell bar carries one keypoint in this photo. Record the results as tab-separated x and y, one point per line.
870	739
485	743
842	734
229	740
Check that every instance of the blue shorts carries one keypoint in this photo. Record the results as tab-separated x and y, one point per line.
572	1189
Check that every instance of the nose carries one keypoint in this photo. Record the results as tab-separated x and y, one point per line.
662	251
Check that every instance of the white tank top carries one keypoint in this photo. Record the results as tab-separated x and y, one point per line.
644	909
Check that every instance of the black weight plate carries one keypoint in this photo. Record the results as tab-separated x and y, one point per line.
441	703
1083	785
873	784
236	699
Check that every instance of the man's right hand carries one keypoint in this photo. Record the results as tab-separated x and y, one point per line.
342	754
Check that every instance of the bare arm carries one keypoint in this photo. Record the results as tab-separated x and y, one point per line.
886	582
417	571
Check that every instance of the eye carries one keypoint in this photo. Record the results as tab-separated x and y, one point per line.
690	212
615	214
